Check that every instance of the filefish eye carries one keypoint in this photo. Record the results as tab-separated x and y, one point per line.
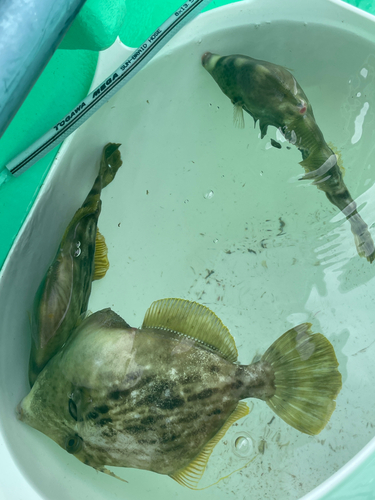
73	444
77	252
73	409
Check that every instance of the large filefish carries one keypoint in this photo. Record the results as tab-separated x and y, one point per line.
81	258
270	94
160	397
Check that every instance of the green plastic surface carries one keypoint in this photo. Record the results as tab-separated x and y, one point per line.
65	82
97	25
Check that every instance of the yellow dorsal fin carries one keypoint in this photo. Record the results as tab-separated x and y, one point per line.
191	474
101	259
193	321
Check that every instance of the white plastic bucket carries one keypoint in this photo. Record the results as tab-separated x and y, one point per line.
190	192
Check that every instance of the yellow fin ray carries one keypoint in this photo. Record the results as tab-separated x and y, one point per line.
101	257
307	380
190	475
193	321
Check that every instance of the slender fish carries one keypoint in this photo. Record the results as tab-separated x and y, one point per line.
271	94
64	292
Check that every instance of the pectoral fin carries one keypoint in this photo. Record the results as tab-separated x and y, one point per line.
238	118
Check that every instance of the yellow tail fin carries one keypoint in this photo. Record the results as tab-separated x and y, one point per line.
307	380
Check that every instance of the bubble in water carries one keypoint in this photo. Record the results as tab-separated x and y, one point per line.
186	201
261	172
216	240
243	445
209	195
359	94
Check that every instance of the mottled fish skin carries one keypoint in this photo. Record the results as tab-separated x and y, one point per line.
116	395
270	94
64	292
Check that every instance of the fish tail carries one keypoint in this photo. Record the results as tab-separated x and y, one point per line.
362	237
328	178
110	162
306	379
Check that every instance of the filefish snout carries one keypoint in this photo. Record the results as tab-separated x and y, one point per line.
19	412
209	60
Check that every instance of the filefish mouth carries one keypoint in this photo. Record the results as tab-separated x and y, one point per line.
209	60
205	58
23	413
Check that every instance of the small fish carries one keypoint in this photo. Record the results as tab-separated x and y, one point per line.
271	94
64	292
161	397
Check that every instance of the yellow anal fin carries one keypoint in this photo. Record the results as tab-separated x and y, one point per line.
101	259
190	475
193	321
307	380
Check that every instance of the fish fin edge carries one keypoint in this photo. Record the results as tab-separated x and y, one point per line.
190	475
192	320
101	262
238	116
307	380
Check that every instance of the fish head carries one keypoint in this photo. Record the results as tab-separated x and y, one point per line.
50	408
68	401
268	92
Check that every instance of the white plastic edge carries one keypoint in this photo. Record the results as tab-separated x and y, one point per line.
302	10
346	470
